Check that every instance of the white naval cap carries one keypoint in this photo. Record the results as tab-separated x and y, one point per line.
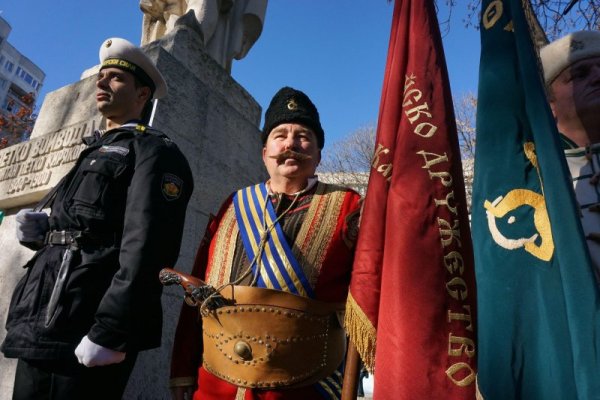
120	53
567	50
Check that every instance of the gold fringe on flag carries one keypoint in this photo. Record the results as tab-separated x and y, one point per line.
362	333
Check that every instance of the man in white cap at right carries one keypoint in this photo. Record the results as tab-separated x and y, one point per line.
572	76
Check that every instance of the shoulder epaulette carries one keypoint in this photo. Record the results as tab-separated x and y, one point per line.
145	129
141	128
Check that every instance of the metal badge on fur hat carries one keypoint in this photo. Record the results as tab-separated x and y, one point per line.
291	105
120	53
567	50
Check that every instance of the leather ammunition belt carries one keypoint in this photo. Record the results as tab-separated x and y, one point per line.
272	339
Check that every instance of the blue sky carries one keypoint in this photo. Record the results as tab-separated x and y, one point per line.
334	50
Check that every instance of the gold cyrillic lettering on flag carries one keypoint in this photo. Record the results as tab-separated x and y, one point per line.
457	288
384	169
415	113
436	159
465	369
446	202
430	129
460	373
466	346
448	232
454	261
445	177
412	95
454	316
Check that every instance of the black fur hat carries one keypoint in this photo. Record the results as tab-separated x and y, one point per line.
291	105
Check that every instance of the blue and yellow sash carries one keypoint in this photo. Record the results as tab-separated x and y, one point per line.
277	267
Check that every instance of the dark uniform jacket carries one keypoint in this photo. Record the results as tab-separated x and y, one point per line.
128	194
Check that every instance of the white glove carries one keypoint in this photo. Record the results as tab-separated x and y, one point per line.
32	226
91	354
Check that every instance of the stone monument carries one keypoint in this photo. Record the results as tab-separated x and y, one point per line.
209	115
229	28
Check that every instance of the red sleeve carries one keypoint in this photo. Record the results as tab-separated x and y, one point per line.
186	355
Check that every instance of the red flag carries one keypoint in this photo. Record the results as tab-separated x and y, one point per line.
411	308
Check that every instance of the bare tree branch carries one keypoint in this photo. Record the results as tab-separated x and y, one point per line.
583	15
348	161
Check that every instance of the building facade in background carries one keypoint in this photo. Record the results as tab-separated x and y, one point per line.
354	180
19	78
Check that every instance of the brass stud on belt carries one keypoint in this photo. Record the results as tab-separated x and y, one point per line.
243	350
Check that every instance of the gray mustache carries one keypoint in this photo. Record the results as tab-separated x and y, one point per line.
291	154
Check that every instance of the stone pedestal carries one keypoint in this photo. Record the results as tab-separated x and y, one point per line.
212	119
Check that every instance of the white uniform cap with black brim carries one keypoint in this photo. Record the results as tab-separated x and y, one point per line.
567	50
120	53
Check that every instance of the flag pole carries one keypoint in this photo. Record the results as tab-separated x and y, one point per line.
351	371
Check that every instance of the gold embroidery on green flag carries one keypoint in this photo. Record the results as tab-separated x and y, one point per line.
514	199
492	14
362	332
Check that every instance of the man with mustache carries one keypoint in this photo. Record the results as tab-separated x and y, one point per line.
90	297
572	75
293	235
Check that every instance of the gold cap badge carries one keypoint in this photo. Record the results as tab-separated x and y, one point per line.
108	43
292	105
577	45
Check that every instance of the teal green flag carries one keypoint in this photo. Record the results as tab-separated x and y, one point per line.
538	301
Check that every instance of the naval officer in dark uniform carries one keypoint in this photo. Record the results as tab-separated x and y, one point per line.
90	298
